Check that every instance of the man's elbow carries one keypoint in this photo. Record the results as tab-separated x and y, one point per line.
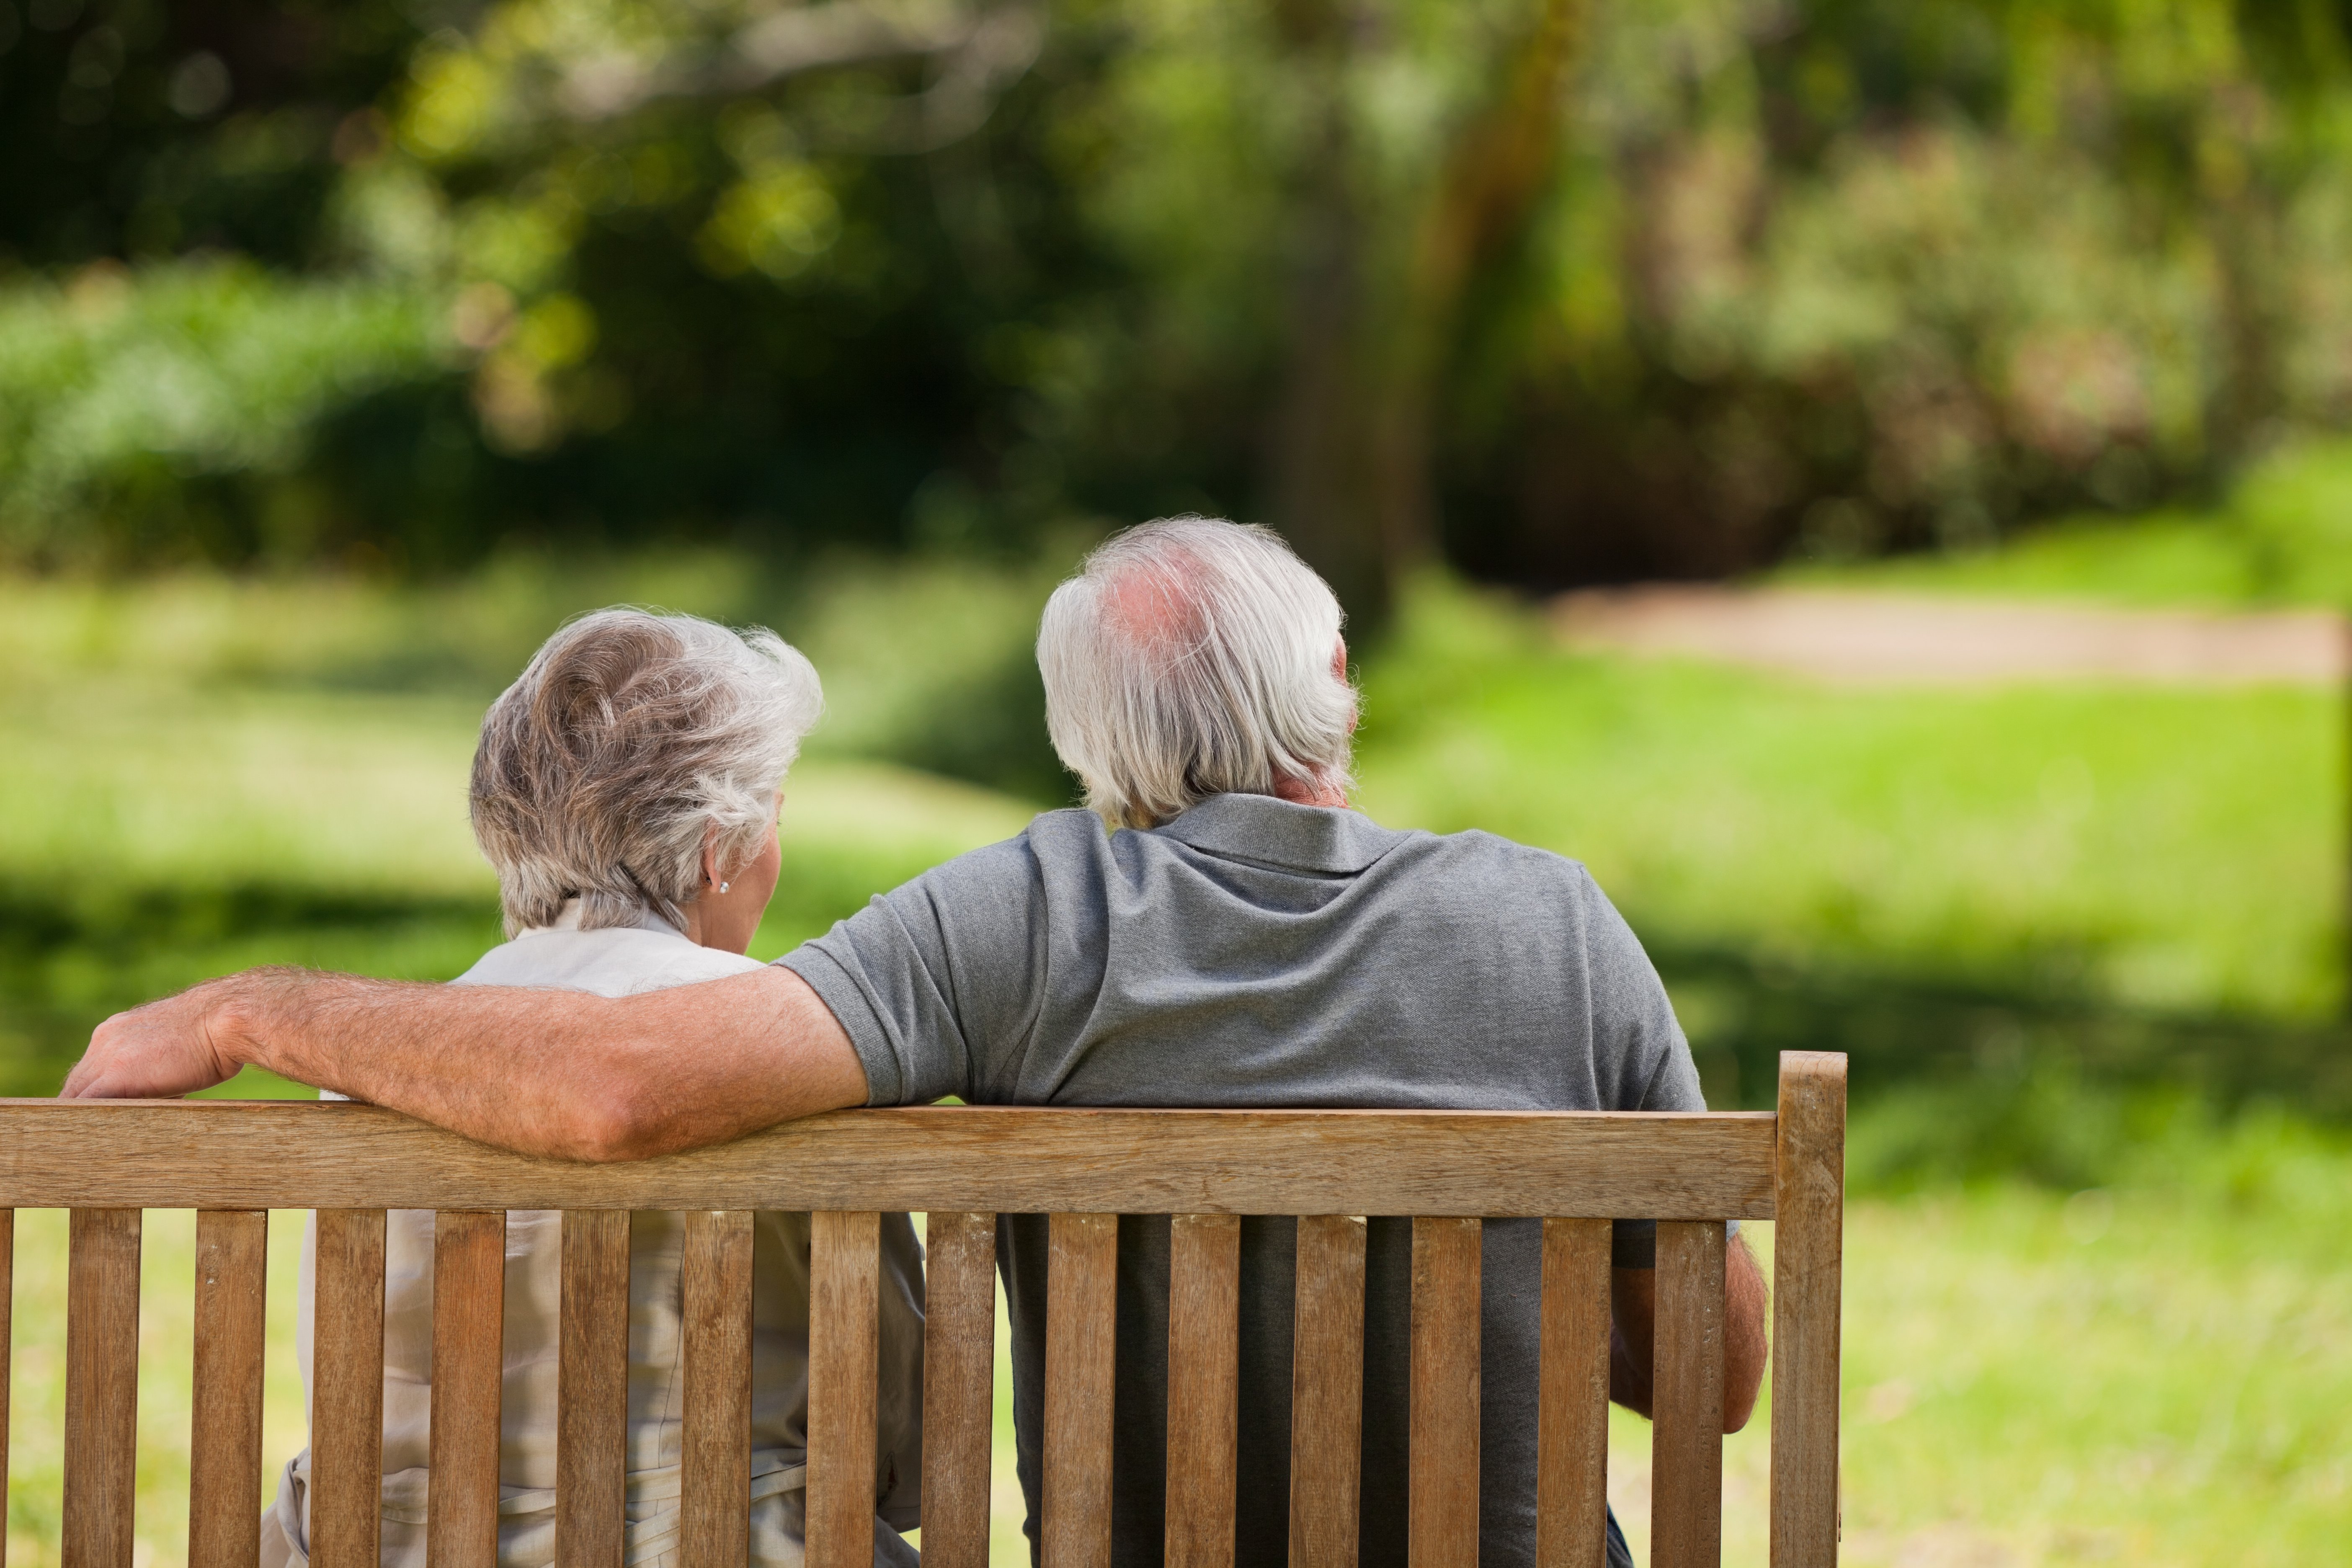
1738	1405
609	1128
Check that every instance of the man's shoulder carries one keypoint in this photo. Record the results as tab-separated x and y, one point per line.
1477	850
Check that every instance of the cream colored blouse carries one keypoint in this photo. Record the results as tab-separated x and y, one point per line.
618	962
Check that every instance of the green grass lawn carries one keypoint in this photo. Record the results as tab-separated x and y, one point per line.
2155	849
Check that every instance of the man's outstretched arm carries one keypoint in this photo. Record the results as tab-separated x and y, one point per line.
546	1072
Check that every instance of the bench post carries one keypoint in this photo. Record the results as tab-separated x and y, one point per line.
1809	1202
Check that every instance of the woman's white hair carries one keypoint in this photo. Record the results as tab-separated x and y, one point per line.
630	741
1191	657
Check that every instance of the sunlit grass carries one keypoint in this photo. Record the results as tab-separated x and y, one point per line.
2156	847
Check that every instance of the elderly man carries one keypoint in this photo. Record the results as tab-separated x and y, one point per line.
1240	938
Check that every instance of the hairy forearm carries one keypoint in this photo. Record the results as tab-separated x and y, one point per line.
550	1072
1746	1349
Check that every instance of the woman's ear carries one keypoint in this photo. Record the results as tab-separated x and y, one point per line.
711	879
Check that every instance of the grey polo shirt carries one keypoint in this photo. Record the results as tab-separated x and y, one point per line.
1252	954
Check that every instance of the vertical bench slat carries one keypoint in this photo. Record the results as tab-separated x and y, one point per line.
224	1428
1081	1338
1686	1441
1205	1296
959	1387
1443	1528
592	1390
844	1330
1327	1392
7	1305
1573	1411
461	1491
347	1391
716	1456
101	1387
1808	1257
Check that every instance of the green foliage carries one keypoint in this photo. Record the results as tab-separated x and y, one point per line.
127	400
1844	275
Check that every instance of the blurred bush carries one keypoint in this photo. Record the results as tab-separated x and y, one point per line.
1564	289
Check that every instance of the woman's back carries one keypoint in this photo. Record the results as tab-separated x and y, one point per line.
618	962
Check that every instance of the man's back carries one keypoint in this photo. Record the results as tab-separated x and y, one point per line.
1250	953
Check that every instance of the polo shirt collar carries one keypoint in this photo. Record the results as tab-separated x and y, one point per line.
1275	832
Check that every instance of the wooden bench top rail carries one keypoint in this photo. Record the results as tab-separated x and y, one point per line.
964	1165
305	1155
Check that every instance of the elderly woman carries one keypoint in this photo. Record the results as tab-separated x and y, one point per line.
627	789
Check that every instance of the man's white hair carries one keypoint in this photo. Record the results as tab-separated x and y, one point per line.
631	741
1191	658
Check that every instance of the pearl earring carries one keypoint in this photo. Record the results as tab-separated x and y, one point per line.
724	886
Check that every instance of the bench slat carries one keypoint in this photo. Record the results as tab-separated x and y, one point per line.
1327	1392
1205	1296
7	1304
1572	1411
1686	1441
303	1154
224	1436
959	1387
716	1458
1081	1324
844	1330
1808	1259
1443	1528
470	1274
591	1399
347	1391
101	1387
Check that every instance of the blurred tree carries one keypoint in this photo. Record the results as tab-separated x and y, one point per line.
1565	291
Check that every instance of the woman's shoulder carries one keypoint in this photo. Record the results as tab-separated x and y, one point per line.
613	962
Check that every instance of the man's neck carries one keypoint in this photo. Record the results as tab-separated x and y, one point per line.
1309	792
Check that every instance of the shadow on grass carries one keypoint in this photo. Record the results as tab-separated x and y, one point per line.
1961	1082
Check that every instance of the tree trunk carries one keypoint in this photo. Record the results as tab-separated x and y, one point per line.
1351	469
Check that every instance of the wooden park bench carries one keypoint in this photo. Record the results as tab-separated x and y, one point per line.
232	1162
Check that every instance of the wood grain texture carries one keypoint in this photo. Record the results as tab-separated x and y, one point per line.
347	1391
7	1306
1686	1398
1327	1392
469	1279
1572	1399
1443	1528
101	1387
1081	1324
1808	1264
224	1426
298	1154
592	1398
716	1456
1205	1296
845	1333
959	1387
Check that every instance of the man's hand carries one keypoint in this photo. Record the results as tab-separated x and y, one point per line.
163	1050
546	1072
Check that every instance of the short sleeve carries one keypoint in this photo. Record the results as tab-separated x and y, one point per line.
929	977
1639	1054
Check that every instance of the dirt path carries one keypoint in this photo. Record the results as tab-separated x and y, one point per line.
1873	638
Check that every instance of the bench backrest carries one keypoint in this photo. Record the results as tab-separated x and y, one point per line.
233	1161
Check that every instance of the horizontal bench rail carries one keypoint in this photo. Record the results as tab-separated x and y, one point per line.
1001	1160
963	1166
